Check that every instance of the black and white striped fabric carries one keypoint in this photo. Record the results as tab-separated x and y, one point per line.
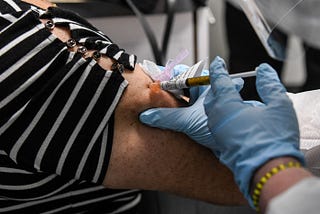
56	115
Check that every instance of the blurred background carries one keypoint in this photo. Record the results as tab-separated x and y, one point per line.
190	29
293	74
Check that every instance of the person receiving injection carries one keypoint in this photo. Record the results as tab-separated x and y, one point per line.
258	142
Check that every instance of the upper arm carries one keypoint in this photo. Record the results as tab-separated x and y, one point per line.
150	158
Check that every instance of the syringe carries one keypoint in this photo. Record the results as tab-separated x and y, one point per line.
197	81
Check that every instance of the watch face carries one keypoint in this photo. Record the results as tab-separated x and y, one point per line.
274	20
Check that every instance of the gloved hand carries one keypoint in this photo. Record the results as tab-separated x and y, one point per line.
190	120
246	136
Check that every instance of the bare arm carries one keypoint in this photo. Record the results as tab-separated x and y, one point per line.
150	158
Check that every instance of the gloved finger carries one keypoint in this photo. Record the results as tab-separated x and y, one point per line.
223	100
196	92
254	103
238	82
158	117
160	67
178	69
268	84
221	84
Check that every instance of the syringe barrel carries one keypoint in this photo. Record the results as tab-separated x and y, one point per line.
198	81
173	84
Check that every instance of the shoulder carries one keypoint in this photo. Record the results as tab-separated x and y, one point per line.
43	4
12	6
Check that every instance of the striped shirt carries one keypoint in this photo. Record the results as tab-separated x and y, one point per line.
57	114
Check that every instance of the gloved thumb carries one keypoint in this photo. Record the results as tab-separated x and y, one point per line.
158	117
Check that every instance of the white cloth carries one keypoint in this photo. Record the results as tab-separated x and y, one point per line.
303	198
307	107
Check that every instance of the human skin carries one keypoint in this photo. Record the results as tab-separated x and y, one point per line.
152	159
163	160
278	183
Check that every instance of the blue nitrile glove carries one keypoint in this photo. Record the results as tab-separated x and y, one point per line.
190	120
246	136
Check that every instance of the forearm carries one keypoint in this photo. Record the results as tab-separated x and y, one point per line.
279	182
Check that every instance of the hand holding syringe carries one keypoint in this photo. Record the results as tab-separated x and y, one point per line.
194	81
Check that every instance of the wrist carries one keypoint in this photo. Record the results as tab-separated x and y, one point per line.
274	177
268	166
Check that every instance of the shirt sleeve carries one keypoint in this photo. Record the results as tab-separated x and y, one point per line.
301	198
56	107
